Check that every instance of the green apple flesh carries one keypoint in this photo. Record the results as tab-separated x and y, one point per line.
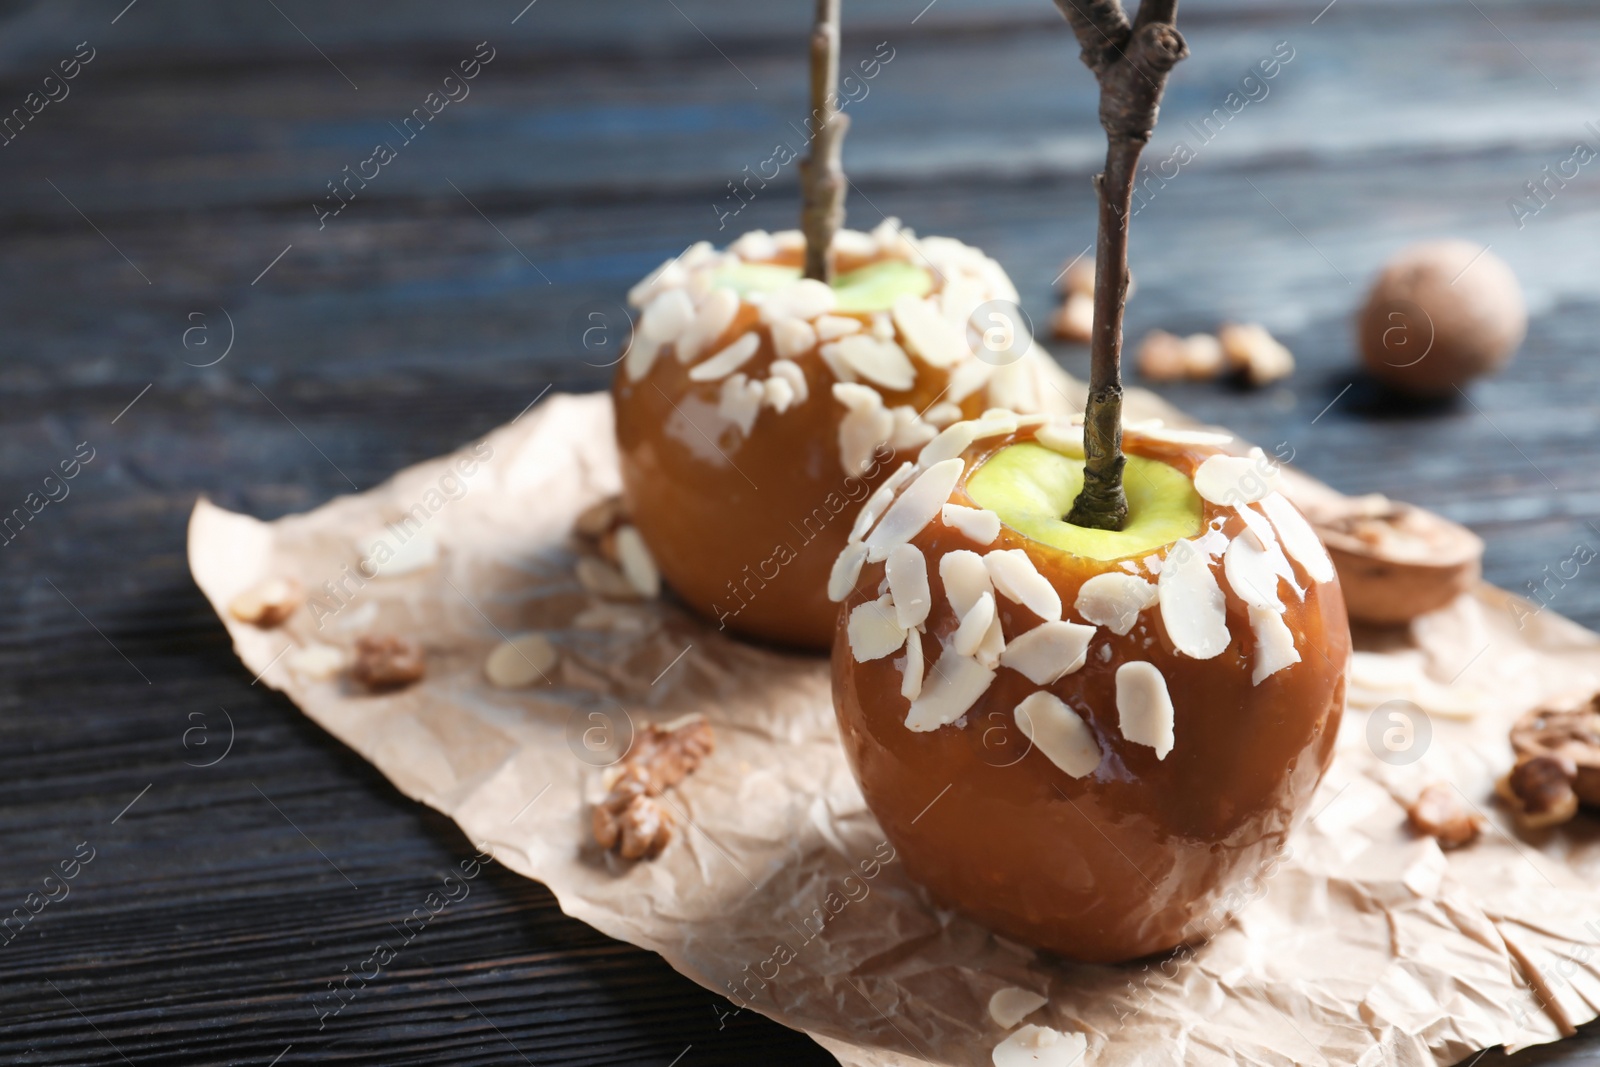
1032	487
871	288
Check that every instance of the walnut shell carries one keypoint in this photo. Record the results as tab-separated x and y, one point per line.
1440	314
1395	560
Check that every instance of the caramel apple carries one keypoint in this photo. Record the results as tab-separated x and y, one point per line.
1083	738
756	409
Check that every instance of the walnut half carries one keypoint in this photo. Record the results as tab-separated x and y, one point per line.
1539	792
630	818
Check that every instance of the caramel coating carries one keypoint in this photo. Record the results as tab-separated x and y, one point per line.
1440	314
1140	855
745	529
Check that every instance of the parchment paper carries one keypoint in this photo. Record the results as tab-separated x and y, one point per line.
1366	946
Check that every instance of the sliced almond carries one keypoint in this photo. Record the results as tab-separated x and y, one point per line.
790	372
880	362
1274	643
846	571
604	580
1040	1046
965	579
715	314
974	626
520	662
728	360
641	356
1193	608
805	299
927	334
669	275
792	338
1299	540
993	645
269	603
1009	1006
879	501
996	422
911	678
666	317
915	507
599	518
777	394
638	565
1014	576
979	525
1144	707
791	240
1231	480
1114	600
909	430
873	631
907	571
861	433
1061	436
942	415
1049	651
853	243
833	327
966	379
958	300
1175	435
755	246
740	402
949	443
956	684
1060	734
1253	574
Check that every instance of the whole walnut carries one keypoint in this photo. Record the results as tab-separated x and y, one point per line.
1440	314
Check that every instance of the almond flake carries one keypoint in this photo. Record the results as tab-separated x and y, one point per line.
1253	574
757	246
880	362
1049	651
1174	435
1061	436
392	554
857	397
316	662
927	334
740	402
666	317
1039	1046
965	579
833	327
915	507
1299	539
604	580
790	241
805	299
854	243
1114	600
638	566
977	524
872	630
911	680
792	338
974	626
1192	605
1274	644
909	429
520	662
1062	735
957	683
1260	530
993	645
942	415
1144	707
949	443
846	571
777	394
670	275
967	379
716	314
836	366
728	360
790	372
878	502
1231	480
994	423
861	432
907	571
958	300
894	240
1015	576
1009	1006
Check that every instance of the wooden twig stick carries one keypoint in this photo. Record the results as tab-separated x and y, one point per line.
1131	62
822	181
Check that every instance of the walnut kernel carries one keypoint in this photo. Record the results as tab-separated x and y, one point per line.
1442	813
387	661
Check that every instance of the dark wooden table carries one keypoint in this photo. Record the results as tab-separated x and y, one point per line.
159	217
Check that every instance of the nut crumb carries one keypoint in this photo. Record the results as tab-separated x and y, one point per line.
1440	812
1539	792
1253	352
387	661
631	819
269	603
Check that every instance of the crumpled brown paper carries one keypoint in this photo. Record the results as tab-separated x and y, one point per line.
1366	945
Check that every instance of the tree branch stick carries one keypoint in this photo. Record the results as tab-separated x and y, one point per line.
1131	63
822	182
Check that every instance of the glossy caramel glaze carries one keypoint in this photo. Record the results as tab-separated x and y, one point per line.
745	529
1141	855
